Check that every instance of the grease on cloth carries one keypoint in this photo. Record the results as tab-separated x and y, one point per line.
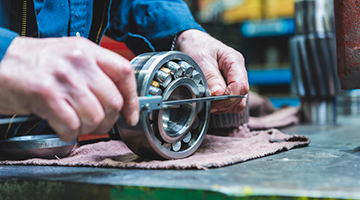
233	147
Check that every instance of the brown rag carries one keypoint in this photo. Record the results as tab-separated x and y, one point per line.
215	151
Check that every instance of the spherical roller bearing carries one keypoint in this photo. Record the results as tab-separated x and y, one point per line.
174	132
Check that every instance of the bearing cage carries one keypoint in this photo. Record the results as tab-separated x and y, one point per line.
144	139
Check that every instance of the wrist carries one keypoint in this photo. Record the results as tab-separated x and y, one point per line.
184	36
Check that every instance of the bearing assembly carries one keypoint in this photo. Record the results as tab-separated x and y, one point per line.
176	131
173	132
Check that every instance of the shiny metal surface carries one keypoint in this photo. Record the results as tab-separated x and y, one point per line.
313	59
230	120
35	146
188	69
160	133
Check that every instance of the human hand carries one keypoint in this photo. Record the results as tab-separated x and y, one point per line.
72	83
223	67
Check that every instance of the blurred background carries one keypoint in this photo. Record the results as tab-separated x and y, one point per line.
259	29
289	49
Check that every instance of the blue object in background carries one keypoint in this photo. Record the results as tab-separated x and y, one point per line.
270	77
267	28
278	102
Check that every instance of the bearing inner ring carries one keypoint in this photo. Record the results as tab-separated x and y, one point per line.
175	122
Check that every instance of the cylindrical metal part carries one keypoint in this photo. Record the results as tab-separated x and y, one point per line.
188	69
187	138
196	76
348	102
163	77
201	89
319	111
313	59
166	70
155	91
176	69
176	146
230	120
155	84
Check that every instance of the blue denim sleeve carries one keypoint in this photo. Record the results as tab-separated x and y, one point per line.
6	37
149	25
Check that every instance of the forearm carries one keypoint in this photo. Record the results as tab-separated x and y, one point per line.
150	25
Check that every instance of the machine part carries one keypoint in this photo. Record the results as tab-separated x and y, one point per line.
188	69
155	90
319	111
176	69
160	133
155	84
163	77
166	70
229	120
35	146
196	76
201	89
313	60
348	102
187	138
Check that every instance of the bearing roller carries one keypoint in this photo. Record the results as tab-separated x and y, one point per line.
174	132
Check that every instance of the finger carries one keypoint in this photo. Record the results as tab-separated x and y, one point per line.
232	64
122	74
75	90
110	99
65	123
88	108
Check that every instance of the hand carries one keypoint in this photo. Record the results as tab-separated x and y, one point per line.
74	84
223	67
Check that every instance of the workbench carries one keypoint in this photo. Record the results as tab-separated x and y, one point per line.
328	168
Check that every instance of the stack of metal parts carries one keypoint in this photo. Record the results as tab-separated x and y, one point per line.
313	60
230	120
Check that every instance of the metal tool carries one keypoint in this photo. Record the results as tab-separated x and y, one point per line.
35	146
156	103
147	103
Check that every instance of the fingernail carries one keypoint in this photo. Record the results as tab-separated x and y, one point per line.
215	89
134	118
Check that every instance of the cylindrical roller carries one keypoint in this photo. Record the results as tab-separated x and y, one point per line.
155	91
176	69
188	69
166	70
187	138
196	76
163	77
201	89
176	146
155	84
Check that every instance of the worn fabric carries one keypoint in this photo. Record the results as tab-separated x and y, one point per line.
215	151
